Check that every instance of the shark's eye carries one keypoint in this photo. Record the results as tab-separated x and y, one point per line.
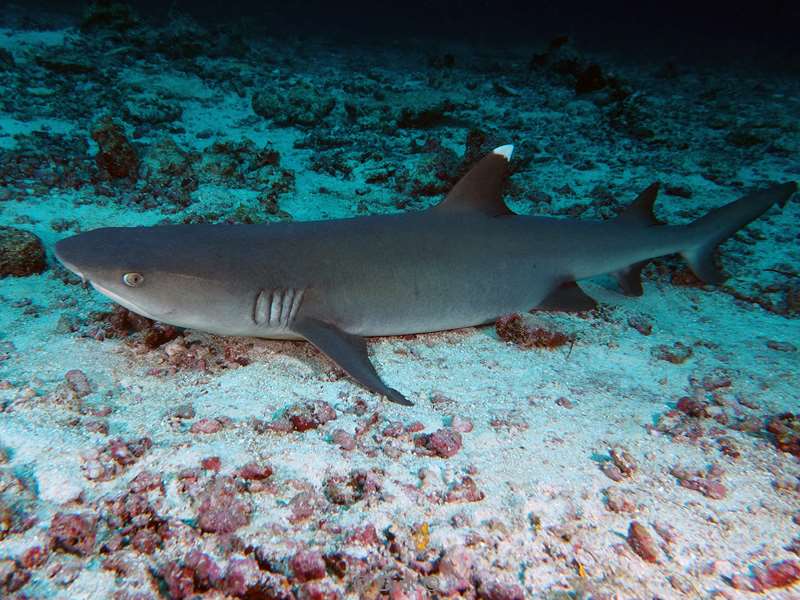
132	279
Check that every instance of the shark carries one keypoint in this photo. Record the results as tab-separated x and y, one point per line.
463	262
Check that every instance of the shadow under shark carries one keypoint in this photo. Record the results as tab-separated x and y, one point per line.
462	263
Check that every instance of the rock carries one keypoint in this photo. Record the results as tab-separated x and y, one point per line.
445	442
424	116
641	542
152	110
117	156
72	533
302	104
55	485
307	565
21	253
221	511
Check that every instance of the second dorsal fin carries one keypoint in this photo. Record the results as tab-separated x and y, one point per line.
481	189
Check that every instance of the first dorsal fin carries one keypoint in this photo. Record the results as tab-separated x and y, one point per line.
481	189
641	210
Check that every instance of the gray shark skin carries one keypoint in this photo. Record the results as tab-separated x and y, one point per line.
462	263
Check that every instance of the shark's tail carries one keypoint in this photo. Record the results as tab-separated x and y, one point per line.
709	231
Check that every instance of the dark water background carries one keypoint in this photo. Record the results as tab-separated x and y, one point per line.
688	30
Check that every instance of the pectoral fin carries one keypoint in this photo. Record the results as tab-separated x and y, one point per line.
349	352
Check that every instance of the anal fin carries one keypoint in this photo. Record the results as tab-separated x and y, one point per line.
701	261
349	352
568	297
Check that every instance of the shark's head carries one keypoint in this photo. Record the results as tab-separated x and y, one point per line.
147	270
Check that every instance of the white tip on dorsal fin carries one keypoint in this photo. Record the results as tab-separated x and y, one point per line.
481	189
504	151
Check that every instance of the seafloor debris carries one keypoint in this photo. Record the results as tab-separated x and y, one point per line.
621	466
303	417
445	442
769	576
677	354
512	328
708	482
618	500
116	157
72	533
641	542
221	510
786	429
114	458
347	490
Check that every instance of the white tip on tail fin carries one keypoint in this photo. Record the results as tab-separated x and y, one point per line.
504	151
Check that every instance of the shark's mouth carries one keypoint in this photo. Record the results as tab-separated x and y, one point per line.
125	302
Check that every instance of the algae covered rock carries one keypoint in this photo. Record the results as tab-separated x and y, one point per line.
150	109
302	104
116	157
21	253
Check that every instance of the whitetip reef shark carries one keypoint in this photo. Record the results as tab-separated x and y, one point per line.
465	262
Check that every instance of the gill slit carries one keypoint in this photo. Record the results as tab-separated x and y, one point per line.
276	308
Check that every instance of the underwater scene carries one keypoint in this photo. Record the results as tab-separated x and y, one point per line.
399	300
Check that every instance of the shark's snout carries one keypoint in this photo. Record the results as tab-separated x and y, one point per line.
67	252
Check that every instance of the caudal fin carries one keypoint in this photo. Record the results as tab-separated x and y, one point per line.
721	223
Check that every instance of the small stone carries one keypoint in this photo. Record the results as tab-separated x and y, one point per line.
78	382
343	439
145	541
494	590
461	424
241	576
641	542
55	485
618	501
445	442
781	346
255	472
221	511
183	411
623	461
206	426
612	471
564	402
307	565
72	533
641	325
